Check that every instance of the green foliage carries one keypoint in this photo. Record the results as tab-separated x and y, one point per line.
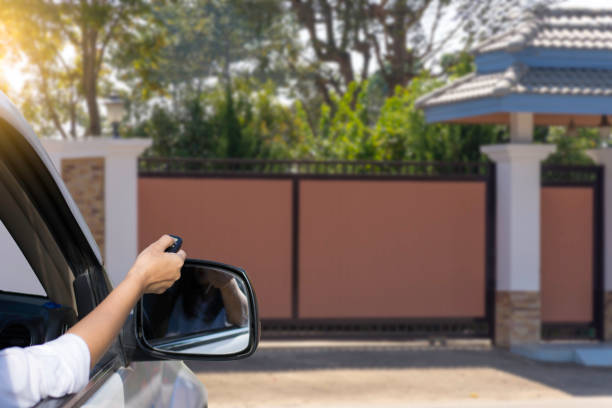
343	133
399	132
243	123
197	136
457	64
231	132
227	122
164	130
571	148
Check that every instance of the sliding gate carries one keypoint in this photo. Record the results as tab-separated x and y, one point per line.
572	252
339	248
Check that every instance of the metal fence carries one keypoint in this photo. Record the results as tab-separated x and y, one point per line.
194	167
302	172
590	177
298	171
562	174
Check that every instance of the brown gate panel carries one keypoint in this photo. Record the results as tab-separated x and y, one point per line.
567	254
391	249
241	222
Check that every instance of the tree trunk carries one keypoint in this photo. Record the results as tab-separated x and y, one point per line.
399	58
92	108
73	118
343	59
49	104
226	65
90	81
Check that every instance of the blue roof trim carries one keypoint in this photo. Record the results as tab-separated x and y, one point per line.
545	57
560	104
493	62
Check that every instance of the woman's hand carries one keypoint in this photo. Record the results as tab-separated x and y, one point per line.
156	270
153	272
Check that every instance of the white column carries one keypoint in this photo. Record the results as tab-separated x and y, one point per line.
517	299
518	214
121	193
521	127
121	211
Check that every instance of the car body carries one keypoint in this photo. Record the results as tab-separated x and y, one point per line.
45	223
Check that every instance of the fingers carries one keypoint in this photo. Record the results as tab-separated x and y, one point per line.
178	259
158	268
163	242
181	255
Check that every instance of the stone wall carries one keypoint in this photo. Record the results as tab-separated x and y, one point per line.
517	318
84	178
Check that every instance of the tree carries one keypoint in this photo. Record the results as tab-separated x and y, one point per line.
210	42
245	121
47	32
395	38
230	129
571	146
399	132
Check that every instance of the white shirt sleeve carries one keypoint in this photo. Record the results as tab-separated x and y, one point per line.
53	369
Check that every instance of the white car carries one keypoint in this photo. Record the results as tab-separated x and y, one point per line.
142	368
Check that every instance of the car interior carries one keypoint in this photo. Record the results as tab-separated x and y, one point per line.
28	318
31	253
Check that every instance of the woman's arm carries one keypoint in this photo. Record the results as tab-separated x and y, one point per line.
153	272
236	306
62	366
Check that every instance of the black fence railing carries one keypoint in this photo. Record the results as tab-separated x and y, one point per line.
562	331
555	174
183	166
174	166
380	328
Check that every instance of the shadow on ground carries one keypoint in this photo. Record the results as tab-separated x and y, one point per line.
570	378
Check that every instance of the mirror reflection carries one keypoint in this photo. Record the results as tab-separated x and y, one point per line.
205	312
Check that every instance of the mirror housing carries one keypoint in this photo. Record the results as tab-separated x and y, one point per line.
235	340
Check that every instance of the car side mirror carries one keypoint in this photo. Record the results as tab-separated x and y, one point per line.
209	313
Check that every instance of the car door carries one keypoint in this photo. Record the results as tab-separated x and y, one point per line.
53	253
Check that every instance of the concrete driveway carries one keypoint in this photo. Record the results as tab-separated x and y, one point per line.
399	374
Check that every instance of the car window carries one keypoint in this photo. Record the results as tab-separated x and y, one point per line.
17	274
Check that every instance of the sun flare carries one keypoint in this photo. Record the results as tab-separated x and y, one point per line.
11	76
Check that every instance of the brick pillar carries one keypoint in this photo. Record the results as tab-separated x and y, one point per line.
517	318
101	174
84	178
517	299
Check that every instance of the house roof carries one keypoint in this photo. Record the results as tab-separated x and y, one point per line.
555	63
521	79
555	28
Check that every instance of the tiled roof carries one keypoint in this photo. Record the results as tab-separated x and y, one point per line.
555	28
519	79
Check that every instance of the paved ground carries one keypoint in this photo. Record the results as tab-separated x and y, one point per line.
399	374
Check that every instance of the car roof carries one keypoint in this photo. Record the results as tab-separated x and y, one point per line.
10	113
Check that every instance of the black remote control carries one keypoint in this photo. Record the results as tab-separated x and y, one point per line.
178	241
